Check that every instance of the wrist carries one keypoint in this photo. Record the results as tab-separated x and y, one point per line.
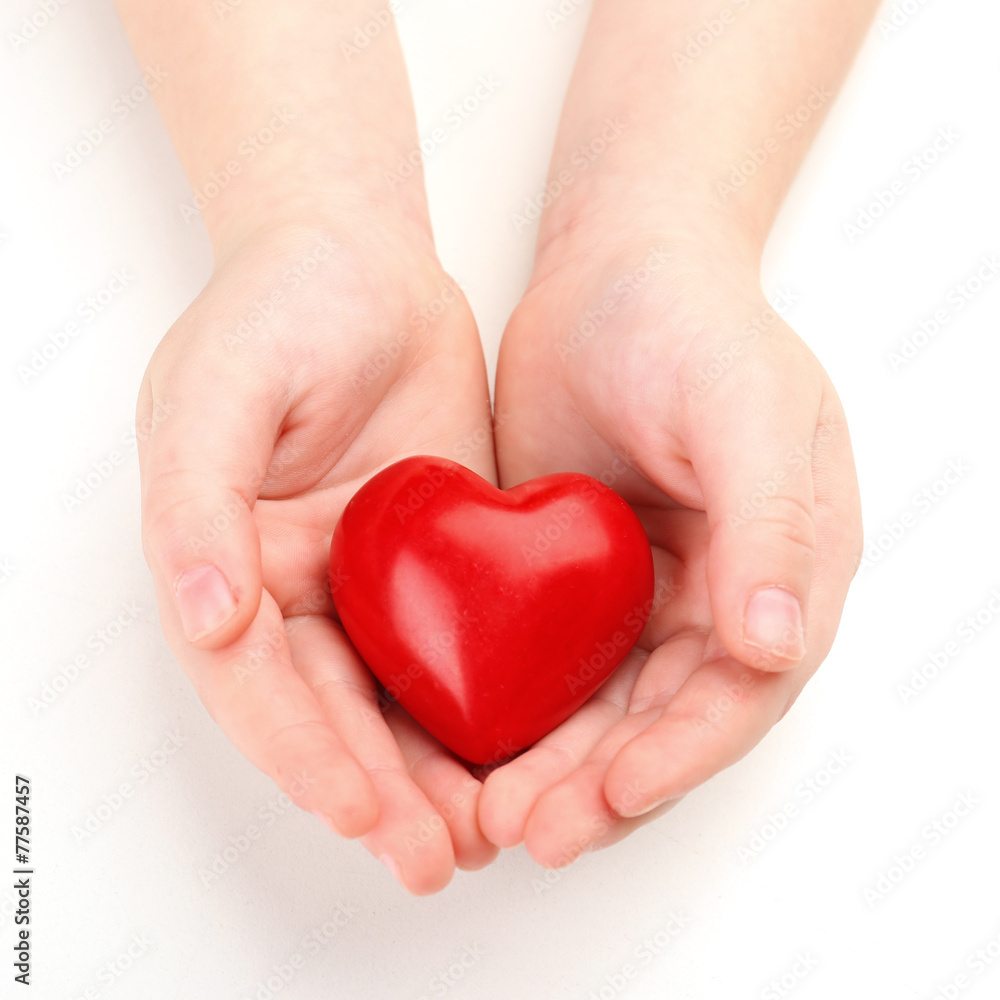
601	219
302	188
283	111
336	266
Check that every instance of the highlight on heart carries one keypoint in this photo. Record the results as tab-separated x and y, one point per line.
490	615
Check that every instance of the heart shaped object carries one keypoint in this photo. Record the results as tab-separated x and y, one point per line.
490	615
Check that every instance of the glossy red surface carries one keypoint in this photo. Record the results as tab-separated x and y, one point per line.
490	615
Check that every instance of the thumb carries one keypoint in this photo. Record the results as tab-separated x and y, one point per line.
753	459
205	439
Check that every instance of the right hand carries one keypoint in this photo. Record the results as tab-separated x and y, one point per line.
261	430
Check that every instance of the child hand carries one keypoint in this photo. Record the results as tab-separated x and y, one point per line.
312	359
742	473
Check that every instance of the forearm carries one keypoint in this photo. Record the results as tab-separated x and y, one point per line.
713	119
277	114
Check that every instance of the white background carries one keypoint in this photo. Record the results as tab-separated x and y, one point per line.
747	914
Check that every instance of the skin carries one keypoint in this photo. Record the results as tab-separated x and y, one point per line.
641	391
272	428
267	429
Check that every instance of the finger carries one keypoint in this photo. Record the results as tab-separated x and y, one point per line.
511	791
667	670
262	704
839	537
295	554
725	708
751	449
449	787
410	837
200	469
574	814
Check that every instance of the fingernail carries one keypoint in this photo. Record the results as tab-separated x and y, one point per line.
204	600
393	865
773	622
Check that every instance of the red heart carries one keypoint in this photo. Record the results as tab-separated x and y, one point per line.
490	615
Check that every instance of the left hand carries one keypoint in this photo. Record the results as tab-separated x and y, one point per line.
639	363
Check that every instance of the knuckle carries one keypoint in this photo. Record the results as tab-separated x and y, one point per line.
179	519
165	531
790	523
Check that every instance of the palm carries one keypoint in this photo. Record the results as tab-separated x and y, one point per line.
340	382
613	406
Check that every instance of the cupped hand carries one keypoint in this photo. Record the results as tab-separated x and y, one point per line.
659	367
313	358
